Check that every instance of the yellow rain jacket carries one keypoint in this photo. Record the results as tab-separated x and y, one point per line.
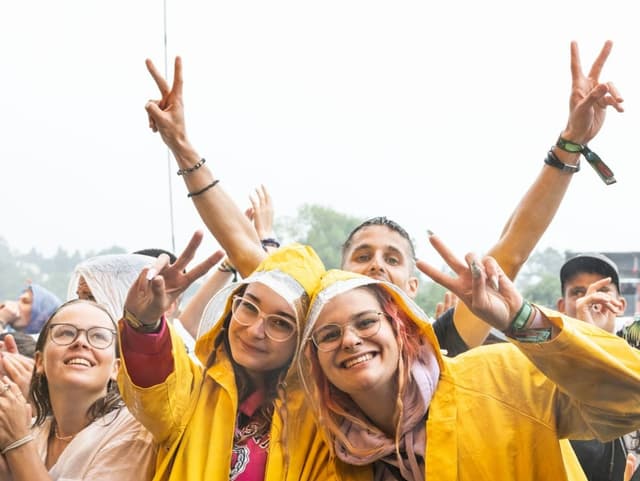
192	413
499	411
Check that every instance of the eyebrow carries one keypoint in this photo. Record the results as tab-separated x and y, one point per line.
388	247
279	313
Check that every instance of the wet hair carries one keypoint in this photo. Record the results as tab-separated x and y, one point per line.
379	221
39	387
25	343
334	405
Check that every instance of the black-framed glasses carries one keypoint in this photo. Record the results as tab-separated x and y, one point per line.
66	334
329	337
276	327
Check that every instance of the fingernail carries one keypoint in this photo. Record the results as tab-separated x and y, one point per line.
475	270
495	282
430	232
151	273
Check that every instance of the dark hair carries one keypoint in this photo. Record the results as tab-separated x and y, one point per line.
39	387
381	221
156	253
274	380
25	343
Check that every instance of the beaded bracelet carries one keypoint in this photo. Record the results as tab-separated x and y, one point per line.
16	444
188	170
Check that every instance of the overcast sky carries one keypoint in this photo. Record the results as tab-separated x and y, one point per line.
436	114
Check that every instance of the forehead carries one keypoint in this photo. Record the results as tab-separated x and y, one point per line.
380	237
267	298
583	279
83	315
344	306
27	295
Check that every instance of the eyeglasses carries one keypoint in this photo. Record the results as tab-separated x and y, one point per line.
66	334
329	337
276	327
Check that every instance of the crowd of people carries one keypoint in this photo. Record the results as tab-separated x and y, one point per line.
279	369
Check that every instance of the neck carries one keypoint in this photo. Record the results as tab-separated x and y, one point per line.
380	406
70	411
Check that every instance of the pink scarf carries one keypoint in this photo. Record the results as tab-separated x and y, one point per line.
416	399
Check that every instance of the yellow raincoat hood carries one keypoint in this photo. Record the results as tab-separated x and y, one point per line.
292	272
335	282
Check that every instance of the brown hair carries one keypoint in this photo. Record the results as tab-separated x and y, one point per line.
274	380
39	387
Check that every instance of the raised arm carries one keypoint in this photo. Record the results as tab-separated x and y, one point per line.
531	217
220	214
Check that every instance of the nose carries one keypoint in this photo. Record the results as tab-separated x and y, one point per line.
257	328
377	263
81	339
350	338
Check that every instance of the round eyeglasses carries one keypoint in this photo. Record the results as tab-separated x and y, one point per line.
329	337
277	328
66	334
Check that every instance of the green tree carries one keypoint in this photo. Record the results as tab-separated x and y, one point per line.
322	228
429	294
539	280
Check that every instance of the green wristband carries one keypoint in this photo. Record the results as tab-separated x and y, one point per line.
569	146
522	317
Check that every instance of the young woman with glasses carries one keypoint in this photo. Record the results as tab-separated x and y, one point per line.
387	399
82	430
243	416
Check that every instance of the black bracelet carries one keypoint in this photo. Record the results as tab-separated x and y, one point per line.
270	242
204	189
552	160
188	170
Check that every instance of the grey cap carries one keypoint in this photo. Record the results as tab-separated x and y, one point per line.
592	262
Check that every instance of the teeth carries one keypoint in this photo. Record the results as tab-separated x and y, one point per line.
358	360
79	361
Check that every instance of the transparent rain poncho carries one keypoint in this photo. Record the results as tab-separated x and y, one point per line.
109	277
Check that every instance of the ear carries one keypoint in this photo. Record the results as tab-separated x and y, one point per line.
114	372
412	287
624	304
39	364
560	304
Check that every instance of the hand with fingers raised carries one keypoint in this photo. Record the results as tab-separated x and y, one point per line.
166	115
589	97
479	283
159	285
262	212
600	305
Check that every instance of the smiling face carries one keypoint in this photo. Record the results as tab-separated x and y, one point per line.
251	348
382	253
78	366
359	367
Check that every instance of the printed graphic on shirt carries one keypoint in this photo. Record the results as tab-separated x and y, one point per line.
249	456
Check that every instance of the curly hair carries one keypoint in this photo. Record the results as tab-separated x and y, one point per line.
39	387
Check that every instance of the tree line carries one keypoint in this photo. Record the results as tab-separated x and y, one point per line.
321	227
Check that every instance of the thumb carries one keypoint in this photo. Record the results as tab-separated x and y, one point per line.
10	344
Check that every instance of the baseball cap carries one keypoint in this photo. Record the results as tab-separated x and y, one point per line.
592	262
